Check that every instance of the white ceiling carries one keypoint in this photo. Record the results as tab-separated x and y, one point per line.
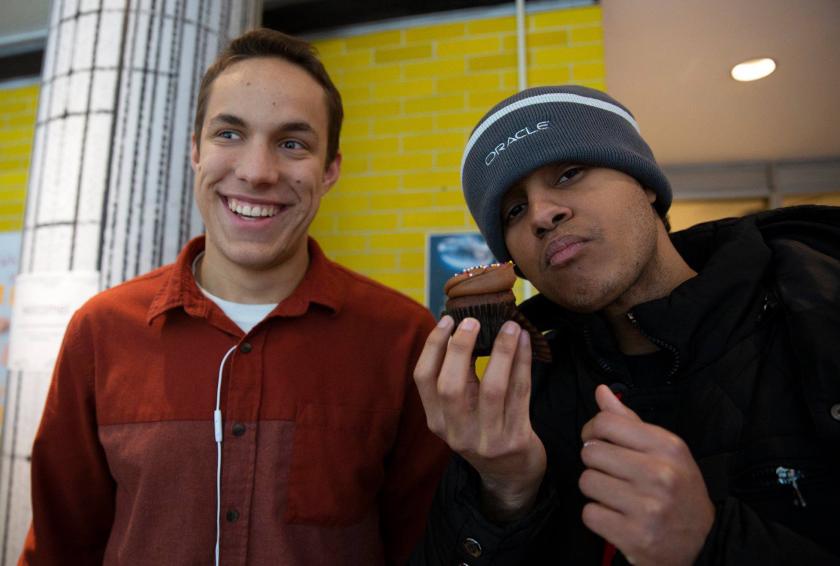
669	61
21	21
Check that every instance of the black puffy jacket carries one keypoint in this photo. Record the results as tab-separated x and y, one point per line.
751	384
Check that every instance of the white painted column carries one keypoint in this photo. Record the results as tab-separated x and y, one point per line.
110	187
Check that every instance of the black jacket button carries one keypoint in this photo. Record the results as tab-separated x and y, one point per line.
472	547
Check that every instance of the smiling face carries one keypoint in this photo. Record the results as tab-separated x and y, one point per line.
260	167
585	237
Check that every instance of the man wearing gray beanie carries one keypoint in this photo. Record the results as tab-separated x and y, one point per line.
691	413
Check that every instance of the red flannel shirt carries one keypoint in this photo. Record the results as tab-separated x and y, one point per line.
326	456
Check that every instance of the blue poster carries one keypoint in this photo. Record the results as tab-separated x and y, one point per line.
448	254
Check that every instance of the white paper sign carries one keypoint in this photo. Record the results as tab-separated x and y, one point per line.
43	305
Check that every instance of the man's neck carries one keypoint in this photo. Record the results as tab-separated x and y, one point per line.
667	271
241	284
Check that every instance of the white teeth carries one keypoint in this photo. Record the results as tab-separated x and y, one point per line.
251	210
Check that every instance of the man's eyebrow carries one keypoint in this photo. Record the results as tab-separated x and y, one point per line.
513	189
228	119
297	127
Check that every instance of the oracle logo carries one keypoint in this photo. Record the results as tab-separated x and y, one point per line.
513	138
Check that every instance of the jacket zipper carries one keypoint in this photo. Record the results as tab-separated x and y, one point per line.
790	476
660	343
602	363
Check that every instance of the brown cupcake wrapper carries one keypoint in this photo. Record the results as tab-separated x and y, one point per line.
540	349
492	317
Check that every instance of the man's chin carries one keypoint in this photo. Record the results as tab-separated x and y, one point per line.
582	302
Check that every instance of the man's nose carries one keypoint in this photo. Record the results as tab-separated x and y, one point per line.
259	166
546	215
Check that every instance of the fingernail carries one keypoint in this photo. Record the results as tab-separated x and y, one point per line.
509	327
469	324
445	322
524	338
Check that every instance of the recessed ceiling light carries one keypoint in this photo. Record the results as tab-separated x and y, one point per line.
753	69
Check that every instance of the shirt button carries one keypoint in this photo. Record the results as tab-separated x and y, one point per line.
245	347
472	547
835	412
238	429
232	515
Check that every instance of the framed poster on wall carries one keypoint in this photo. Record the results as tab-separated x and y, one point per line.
448	254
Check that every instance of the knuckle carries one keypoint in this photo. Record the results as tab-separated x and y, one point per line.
448	393
435	425
454	439
494	447
600	424
521	388
654	510
646	541
586	456
585	481
674	446
505	343
487	452
435	342
436	338
589	515
492	393
460	344
456	445
421	374
666	478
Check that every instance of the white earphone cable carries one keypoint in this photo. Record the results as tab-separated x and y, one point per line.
217	434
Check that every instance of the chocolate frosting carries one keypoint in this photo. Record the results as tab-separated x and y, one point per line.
484	279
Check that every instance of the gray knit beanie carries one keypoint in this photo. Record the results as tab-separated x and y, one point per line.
545	125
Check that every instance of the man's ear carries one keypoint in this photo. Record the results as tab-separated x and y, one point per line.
193	152
651	196
331	173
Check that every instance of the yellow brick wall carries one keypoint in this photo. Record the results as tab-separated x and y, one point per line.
18	106
18	109
411	98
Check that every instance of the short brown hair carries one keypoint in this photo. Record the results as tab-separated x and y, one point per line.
271	43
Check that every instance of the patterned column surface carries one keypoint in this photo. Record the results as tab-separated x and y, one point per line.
110	187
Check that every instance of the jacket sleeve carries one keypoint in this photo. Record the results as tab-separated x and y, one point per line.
415	464
457	532
72	489
740	536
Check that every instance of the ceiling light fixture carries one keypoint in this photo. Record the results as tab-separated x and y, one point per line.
753	69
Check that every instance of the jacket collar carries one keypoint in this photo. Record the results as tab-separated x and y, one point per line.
179	290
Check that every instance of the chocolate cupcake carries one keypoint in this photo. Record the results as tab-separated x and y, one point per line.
485	293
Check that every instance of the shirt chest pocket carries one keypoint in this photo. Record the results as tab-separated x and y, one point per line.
338	463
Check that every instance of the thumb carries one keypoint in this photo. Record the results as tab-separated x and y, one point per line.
607	401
